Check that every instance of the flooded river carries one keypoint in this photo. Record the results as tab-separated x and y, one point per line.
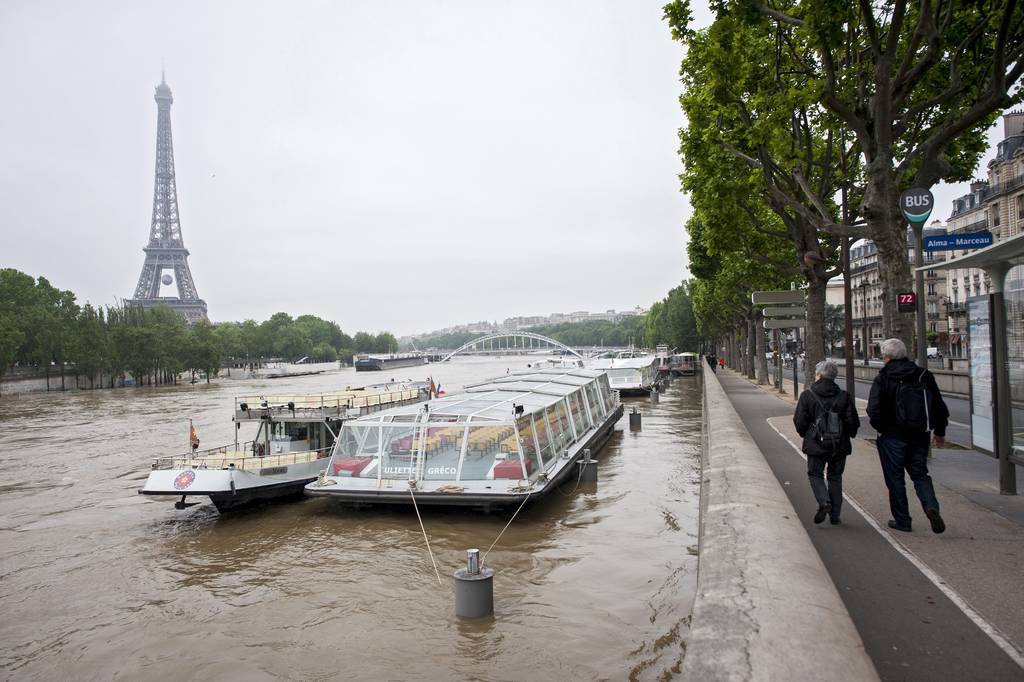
97	582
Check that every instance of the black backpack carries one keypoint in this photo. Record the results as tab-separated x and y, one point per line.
828	427
912	403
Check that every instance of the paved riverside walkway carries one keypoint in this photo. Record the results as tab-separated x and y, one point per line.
911	628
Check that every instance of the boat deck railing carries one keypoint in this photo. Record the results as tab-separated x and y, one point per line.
241	458
316	407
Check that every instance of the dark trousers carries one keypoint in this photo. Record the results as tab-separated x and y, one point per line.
827	488
898	456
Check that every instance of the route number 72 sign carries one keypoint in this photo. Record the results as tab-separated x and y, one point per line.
906	302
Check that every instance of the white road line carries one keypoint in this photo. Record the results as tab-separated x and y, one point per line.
988	628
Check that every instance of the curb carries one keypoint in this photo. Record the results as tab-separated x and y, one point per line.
763	593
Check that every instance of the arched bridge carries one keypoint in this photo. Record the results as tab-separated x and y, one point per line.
530	336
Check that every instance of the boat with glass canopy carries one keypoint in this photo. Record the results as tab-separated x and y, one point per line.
630	372
294	436
513	437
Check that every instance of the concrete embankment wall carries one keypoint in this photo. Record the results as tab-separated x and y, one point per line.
766	608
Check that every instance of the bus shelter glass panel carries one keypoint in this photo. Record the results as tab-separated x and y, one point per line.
489	453
357	452
528	444
401	444
1013	295
442	445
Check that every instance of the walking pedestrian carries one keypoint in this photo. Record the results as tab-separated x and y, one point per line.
826	418
906	408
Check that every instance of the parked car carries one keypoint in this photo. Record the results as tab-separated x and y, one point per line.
933	353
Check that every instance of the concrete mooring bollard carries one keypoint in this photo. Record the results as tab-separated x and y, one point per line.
588	468
654	394
634	420
474	588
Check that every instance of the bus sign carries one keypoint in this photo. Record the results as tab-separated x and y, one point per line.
917	204
906	302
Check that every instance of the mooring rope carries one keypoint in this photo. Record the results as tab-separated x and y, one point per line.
579	478
425	538
505	528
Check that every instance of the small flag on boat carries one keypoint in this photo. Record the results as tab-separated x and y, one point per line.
439	391
433	388
193	437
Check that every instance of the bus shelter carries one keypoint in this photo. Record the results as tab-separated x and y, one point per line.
996	329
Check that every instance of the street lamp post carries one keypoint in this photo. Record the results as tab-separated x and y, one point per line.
864	317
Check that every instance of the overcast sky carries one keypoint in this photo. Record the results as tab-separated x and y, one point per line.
389	165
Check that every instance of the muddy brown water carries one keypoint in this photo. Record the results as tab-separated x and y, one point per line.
97	582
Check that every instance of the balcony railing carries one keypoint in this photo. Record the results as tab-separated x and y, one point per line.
1012	183
976	226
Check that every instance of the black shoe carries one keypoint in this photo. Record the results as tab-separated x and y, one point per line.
938	525
835	521
822	512
896	526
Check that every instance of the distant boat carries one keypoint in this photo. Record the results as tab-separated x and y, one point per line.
367	362
630	373
683	364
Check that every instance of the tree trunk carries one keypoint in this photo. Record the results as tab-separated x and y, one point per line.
814	336
751	343
888	231
759	348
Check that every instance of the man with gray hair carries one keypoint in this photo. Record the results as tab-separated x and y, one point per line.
906	408
826	418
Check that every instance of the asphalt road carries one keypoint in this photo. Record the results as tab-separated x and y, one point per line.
911	630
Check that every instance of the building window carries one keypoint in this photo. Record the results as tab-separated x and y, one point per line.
1020	206
931	289
995	214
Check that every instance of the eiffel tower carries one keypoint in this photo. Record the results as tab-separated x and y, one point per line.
166	262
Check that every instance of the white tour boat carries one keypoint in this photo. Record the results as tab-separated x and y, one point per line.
630	372
509	438
294	437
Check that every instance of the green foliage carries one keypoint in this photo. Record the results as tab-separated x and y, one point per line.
672	321
44	327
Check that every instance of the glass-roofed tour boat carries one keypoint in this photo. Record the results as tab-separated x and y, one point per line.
498	442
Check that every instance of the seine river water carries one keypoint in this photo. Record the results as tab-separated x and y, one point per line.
97	582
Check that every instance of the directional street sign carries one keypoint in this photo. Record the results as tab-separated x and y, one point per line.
785	324
777	297
916	205
955	242
787	311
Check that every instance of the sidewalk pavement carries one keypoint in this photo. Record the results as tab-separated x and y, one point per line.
928	606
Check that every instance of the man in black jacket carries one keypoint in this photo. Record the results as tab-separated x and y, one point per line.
905	408
826	446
